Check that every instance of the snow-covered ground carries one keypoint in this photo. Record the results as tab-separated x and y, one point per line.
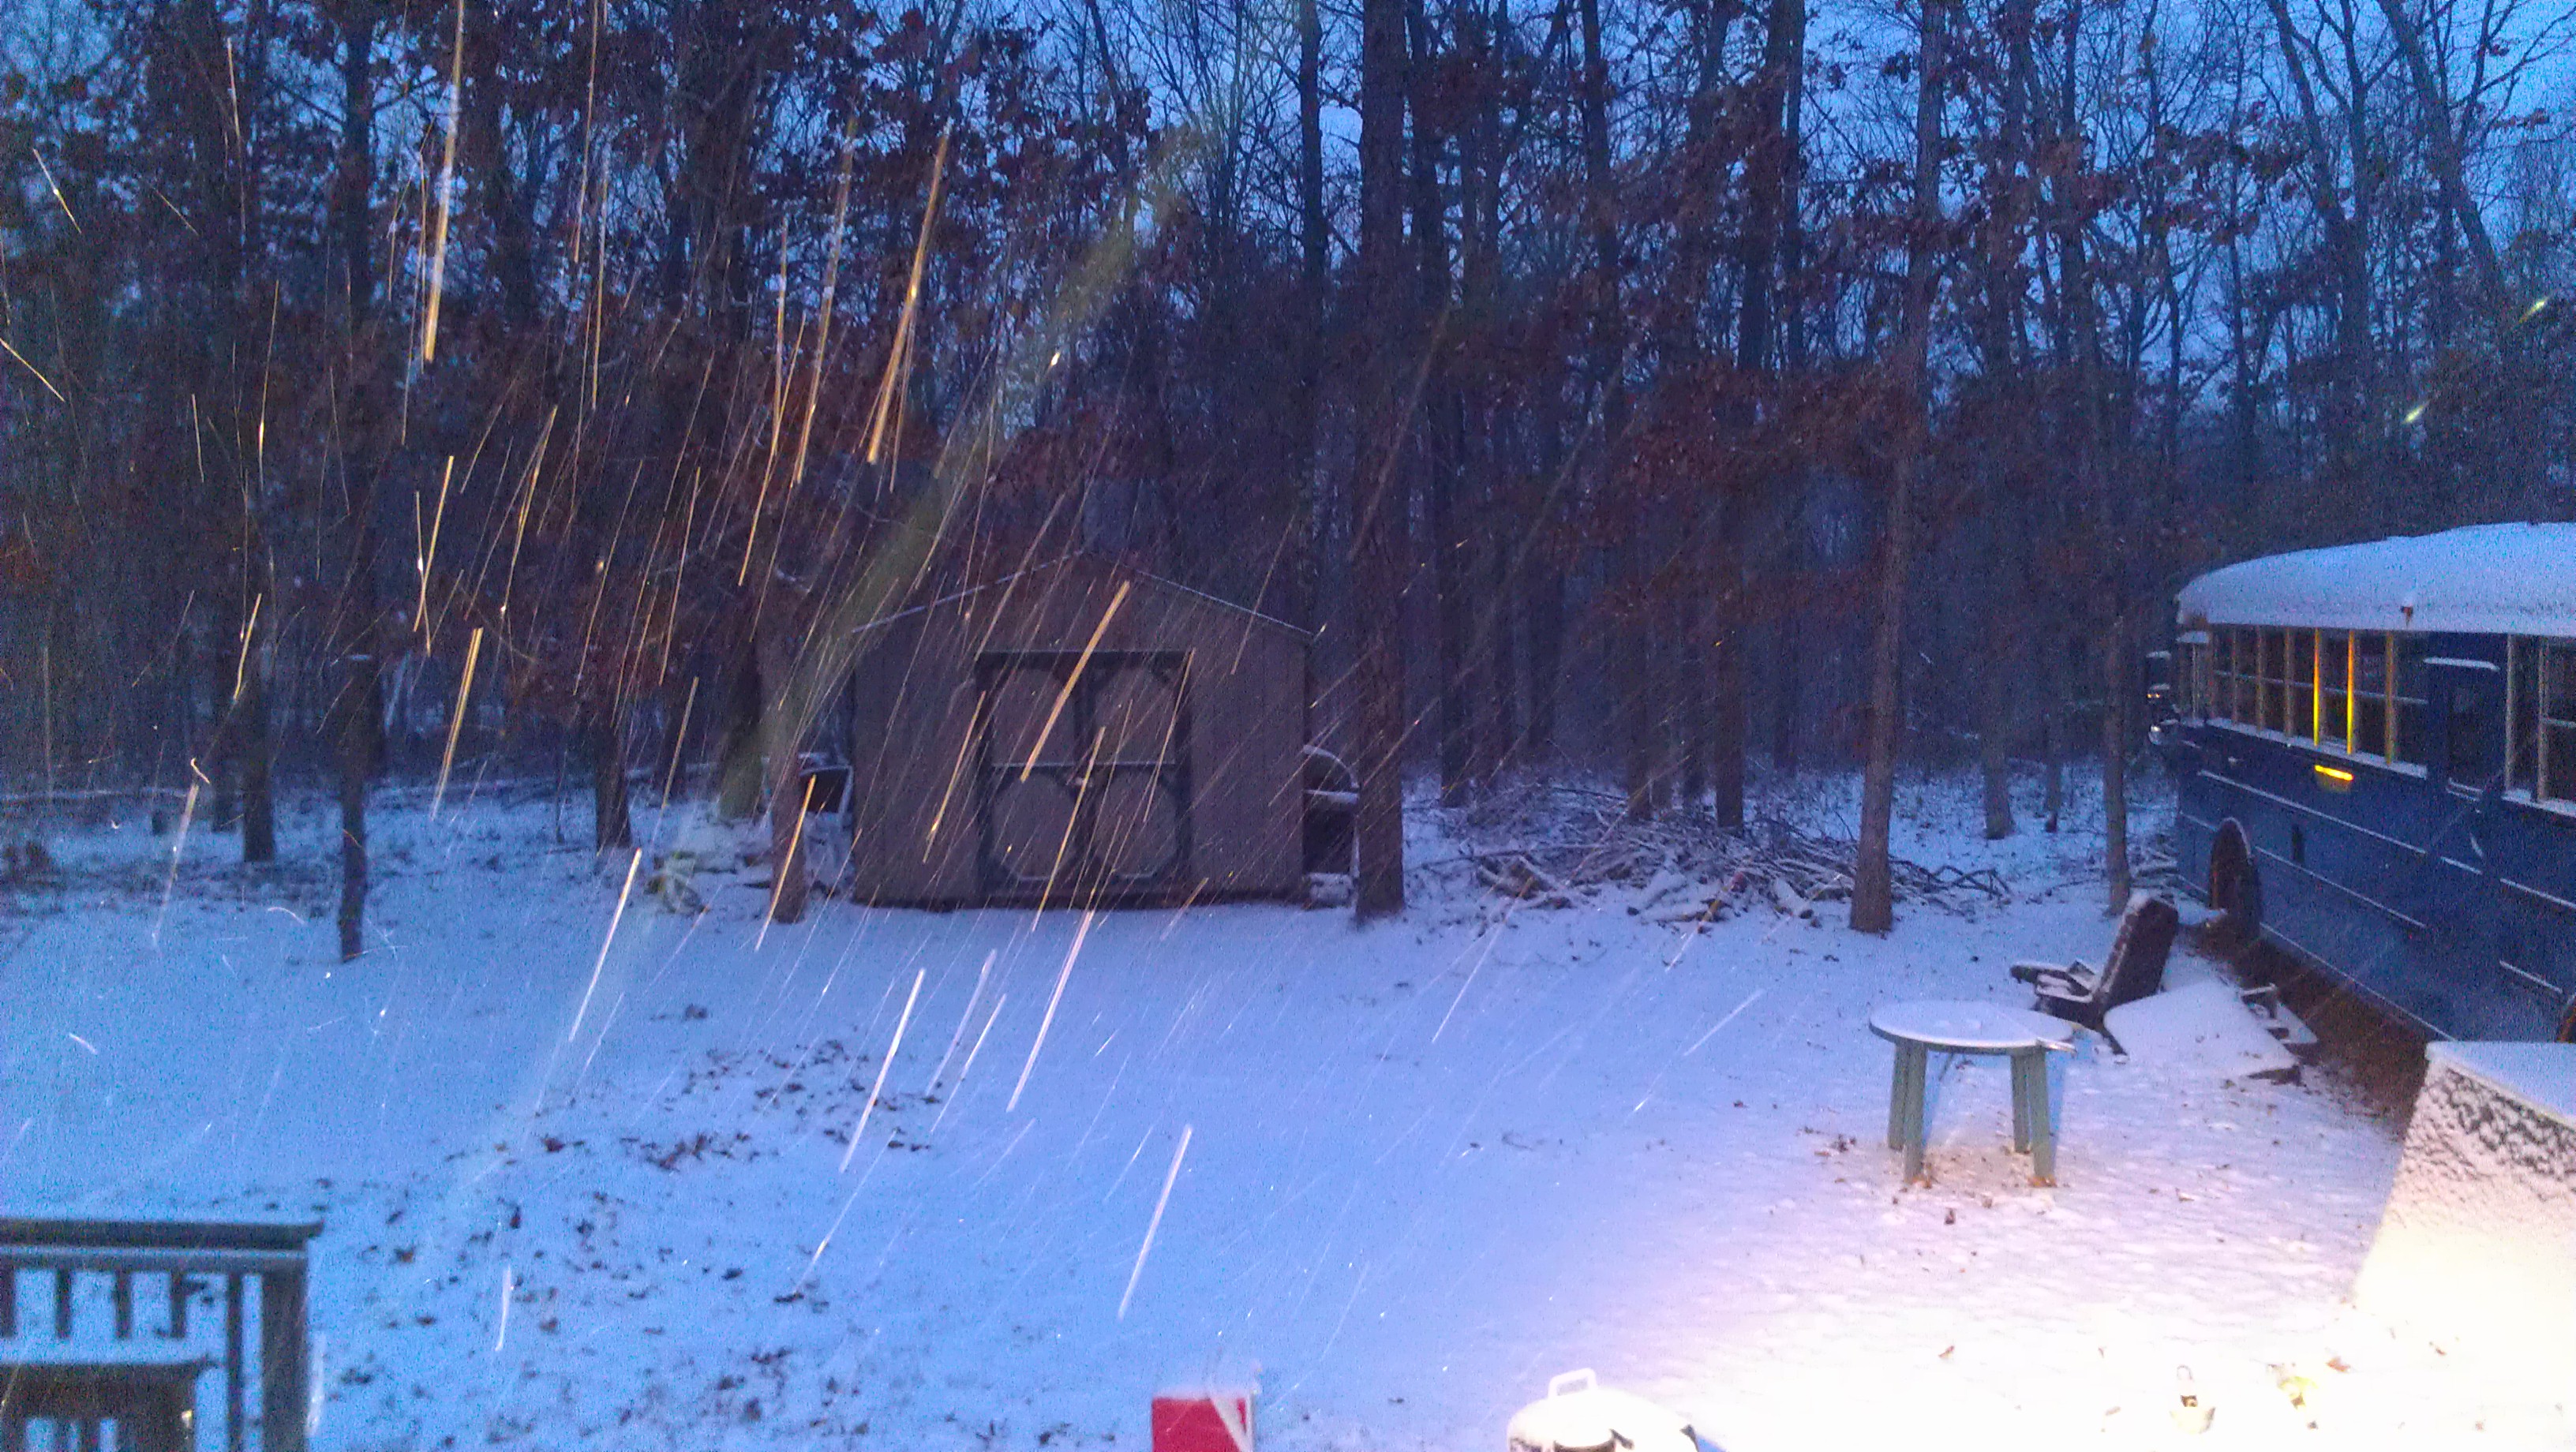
586	1197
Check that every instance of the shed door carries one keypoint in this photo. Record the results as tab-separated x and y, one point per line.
1084	772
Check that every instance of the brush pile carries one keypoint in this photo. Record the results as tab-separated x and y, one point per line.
1685	870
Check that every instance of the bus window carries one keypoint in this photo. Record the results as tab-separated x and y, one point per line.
2271	663
2251	707
2334	688
2414	738
2523	662
2305	655
2545	712
2370	694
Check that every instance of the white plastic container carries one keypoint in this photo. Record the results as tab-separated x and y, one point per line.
1581	1415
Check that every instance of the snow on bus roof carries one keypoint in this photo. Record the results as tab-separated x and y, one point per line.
2487	579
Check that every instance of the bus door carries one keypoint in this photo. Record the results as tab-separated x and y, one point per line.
2468	722
2467	762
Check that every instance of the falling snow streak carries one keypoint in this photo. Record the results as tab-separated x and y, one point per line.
973	997
1074	677
832	286
58	201
178	848
679	743
1072	820
1146	1247
822	337
427	554
456	719
1079	933
509	1279
786	864
884	1068
250	631
1721	1023
595	969
969	1066
446	193
889	400
32	368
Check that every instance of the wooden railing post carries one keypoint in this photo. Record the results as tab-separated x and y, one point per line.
235	1438
283	1371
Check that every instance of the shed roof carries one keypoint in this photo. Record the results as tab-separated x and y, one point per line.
1103	563
2487	579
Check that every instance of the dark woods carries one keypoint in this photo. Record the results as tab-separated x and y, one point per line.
1643	384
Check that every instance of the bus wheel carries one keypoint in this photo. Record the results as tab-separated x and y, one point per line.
2567	1024
2234	887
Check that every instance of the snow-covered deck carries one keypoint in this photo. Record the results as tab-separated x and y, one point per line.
1429	1164
2541	1077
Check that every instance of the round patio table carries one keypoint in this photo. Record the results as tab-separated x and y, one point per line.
1923	1028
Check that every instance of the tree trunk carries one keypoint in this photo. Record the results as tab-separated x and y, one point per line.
1306	403
1873	906
1544	584
2115	760
1790	305
1442	434
1542	577
1499	726
1725	689
2078	342
738	746
1378	524
1994	732
1697	663
1786	643
1706	675
361	704
361	707
612	824
1767	178
790	877
224	815
255	761
2052	803
356	761
1631	655
1995	759
1483	454
2000	322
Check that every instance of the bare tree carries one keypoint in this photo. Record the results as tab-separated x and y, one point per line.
1378	495
1873	904
359	708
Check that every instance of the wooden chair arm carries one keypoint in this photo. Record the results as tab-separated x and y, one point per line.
2031	972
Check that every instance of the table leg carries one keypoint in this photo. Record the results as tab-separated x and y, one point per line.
1896	1101
2021	1102
2043	1133
1916	1058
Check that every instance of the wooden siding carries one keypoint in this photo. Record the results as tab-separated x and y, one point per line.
917	799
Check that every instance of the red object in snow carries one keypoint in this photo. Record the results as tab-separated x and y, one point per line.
1203	1422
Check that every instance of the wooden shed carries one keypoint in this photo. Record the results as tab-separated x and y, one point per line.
1077	732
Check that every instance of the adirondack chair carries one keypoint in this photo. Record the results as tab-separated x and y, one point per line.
2135	970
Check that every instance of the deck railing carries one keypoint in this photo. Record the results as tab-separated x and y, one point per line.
81	1367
